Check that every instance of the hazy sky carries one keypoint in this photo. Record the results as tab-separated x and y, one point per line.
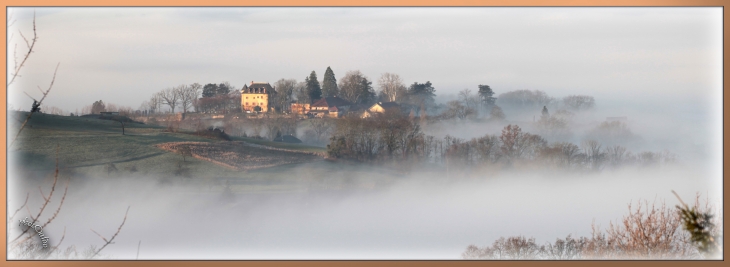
124	55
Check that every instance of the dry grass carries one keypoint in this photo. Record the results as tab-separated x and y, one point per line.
647	232
240	155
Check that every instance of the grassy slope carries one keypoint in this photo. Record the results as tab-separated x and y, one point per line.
299	147
87	145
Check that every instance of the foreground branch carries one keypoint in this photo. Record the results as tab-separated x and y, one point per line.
39	104
47	200
111	239
27	55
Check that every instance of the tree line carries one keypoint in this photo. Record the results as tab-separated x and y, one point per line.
354	86
398	137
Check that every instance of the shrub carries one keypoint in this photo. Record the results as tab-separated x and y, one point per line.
647	232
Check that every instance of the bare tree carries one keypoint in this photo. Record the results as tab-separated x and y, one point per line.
320	126
391	86
457	110
185	151
579	102
121	120
356	88
470	101
524	98
54	110
155	102
300	90
284	93
487	147
187	94
194	91
170	97
594	155
616	155
516	144
649	233
496	113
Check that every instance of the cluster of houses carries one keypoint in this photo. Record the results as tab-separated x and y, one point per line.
258	96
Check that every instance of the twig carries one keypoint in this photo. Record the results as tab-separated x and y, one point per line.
28	210
31	96
53	188
59	242
39	103
680	200
99	235
15	54
21	207
23	241
27	55
11	20
139	244
42	195
111	239
59	206
26	40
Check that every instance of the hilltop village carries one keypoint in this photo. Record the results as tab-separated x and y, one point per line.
258	97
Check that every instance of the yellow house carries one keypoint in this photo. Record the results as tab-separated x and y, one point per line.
257	97
380	108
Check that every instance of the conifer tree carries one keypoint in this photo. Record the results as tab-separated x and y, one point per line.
329	84
210	90
313	89
486	94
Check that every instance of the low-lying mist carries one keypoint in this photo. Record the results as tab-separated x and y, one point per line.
421	215
690	129
387	208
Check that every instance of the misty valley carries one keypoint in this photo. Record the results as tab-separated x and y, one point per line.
459	133
516	175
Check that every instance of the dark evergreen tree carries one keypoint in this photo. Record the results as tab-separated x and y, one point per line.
329	84
37	107
486	94
223	89
421	94
210	90
367	93
313	89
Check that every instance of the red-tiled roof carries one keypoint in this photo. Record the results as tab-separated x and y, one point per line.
331	101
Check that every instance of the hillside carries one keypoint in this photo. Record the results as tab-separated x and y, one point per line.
91	148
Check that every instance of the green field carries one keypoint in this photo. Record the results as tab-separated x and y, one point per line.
87	146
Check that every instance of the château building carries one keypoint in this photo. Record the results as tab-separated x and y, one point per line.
257	97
